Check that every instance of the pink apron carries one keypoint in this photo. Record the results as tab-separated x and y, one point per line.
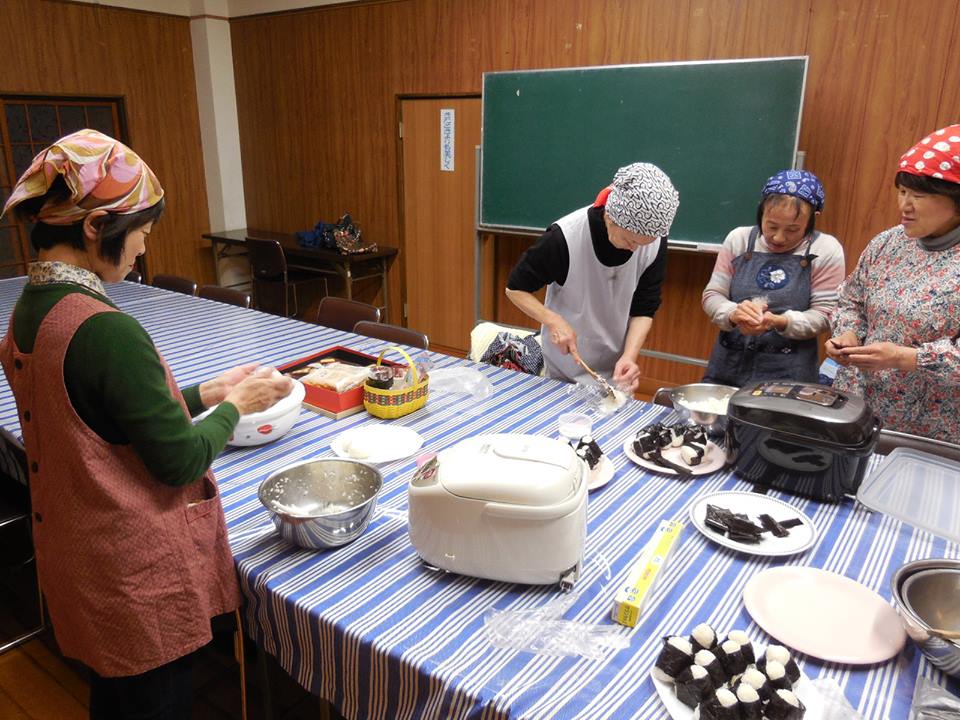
132	569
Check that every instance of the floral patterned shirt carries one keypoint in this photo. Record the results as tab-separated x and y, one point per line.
901	292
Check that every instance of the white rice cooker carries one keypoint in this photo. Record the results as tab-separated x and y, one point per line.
511	508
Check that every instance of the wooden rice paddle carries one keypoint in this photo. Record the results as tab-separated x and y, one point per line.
602	381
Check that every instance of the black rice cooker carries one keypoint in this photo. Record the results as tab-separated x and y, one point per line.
803	438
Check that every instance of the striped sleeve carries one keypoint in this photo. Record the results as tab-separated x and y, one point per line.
828	271
716	295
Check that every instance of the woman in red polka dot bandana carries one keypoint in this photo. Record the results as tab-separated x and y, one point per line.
896	325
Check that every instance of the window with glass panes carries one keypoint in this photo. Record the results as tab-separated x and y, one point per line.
28	124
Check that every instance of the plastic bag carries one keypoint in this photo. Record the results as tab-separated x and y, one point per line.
543	631
461	380
932	702
835	703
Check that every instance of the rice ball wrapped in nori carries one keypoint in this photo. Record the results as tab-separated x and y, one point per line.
758	681
784	705
780	654
777	675
731	658
693	454
677	654
708	661
746	647
722	705
751	706
695	434
646	444
678	431
693	685
703	637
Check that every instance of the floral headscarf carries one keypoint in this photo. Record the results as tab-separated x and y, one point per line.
100	172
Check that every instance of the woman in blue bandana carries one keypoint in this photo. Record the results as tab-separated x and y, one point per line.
773	287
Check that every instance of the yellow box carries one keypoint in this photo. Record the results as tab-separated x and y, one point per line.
631	596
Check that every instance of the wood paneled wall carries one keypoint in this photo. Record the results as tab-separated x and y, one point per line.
317	94
59	48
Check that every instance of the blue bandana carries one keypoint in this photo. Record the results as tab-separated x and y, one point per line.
798	183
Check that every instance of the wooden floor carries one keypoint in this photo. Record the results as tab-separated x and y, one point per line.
37	684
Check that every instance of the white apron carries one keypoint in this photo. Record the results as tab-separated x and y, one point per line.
595	300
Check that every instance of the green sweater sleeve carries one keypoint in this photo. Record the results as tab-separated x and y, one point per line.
191	396
117	383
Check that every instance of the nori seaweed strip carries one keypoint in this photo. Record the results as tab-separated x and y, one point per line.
790	523
693	685
782	707
672	659
730	657
773	526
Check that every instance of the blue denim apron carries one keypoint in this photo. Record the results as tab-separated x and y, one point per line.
785	280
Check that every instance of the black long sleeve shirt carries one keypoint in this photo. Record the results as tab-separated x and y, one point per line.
548	261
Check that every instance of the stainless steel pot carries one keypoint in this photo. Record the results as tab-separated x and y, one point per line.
685	398
322	504
931	599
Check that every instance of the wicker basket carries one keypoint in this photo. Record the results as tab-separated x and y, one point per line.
391	404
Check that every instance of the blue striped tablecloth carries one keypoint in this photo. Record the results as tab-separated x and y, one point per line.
373	631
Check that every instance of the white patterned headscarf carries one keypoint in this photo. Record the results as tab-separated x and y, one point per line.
643	200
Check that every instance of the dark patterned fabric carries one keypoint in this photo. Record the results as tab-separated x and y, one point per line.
515	353
643	200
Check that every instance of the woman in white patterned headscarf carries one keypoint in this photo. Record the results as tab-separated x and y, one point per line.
603	266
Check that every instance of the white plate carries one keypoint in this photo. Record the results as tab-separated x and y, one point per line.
602	473
380	443
801	537
714	461
804	689
823	614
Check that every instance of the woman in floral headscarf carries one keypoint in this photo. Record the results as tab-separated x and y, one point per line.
773	287
128	528
896	327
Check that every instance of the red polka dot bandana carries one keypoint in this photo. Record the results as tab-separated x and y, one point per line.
936	156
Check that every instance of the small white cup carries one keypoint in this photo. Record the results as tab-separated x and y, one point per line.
574	425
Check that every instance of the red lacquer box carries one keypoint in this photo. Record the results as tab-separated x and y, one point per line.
329	402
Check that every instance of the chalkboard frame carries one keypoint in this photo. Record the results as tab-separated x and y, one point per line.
785	154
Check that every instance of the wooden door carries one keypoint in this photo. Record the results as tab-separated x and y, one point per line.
438	218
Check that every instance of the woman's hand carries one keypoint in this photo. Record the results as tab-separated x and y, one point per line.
835	347
626	375
562	335
214	391
748	317
882	356
773	321
259	390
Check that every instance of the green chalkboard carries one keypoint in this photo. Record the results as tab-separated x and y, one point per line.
553	138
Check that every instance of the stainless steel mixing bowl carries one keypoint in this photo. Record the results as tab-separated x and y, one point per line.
927	595
684	399
322	503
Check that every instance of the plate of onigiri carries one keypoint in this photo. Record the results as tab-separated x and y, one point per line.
704	676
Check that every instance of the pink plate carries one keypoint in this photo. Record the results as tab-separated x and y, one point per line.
825	615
